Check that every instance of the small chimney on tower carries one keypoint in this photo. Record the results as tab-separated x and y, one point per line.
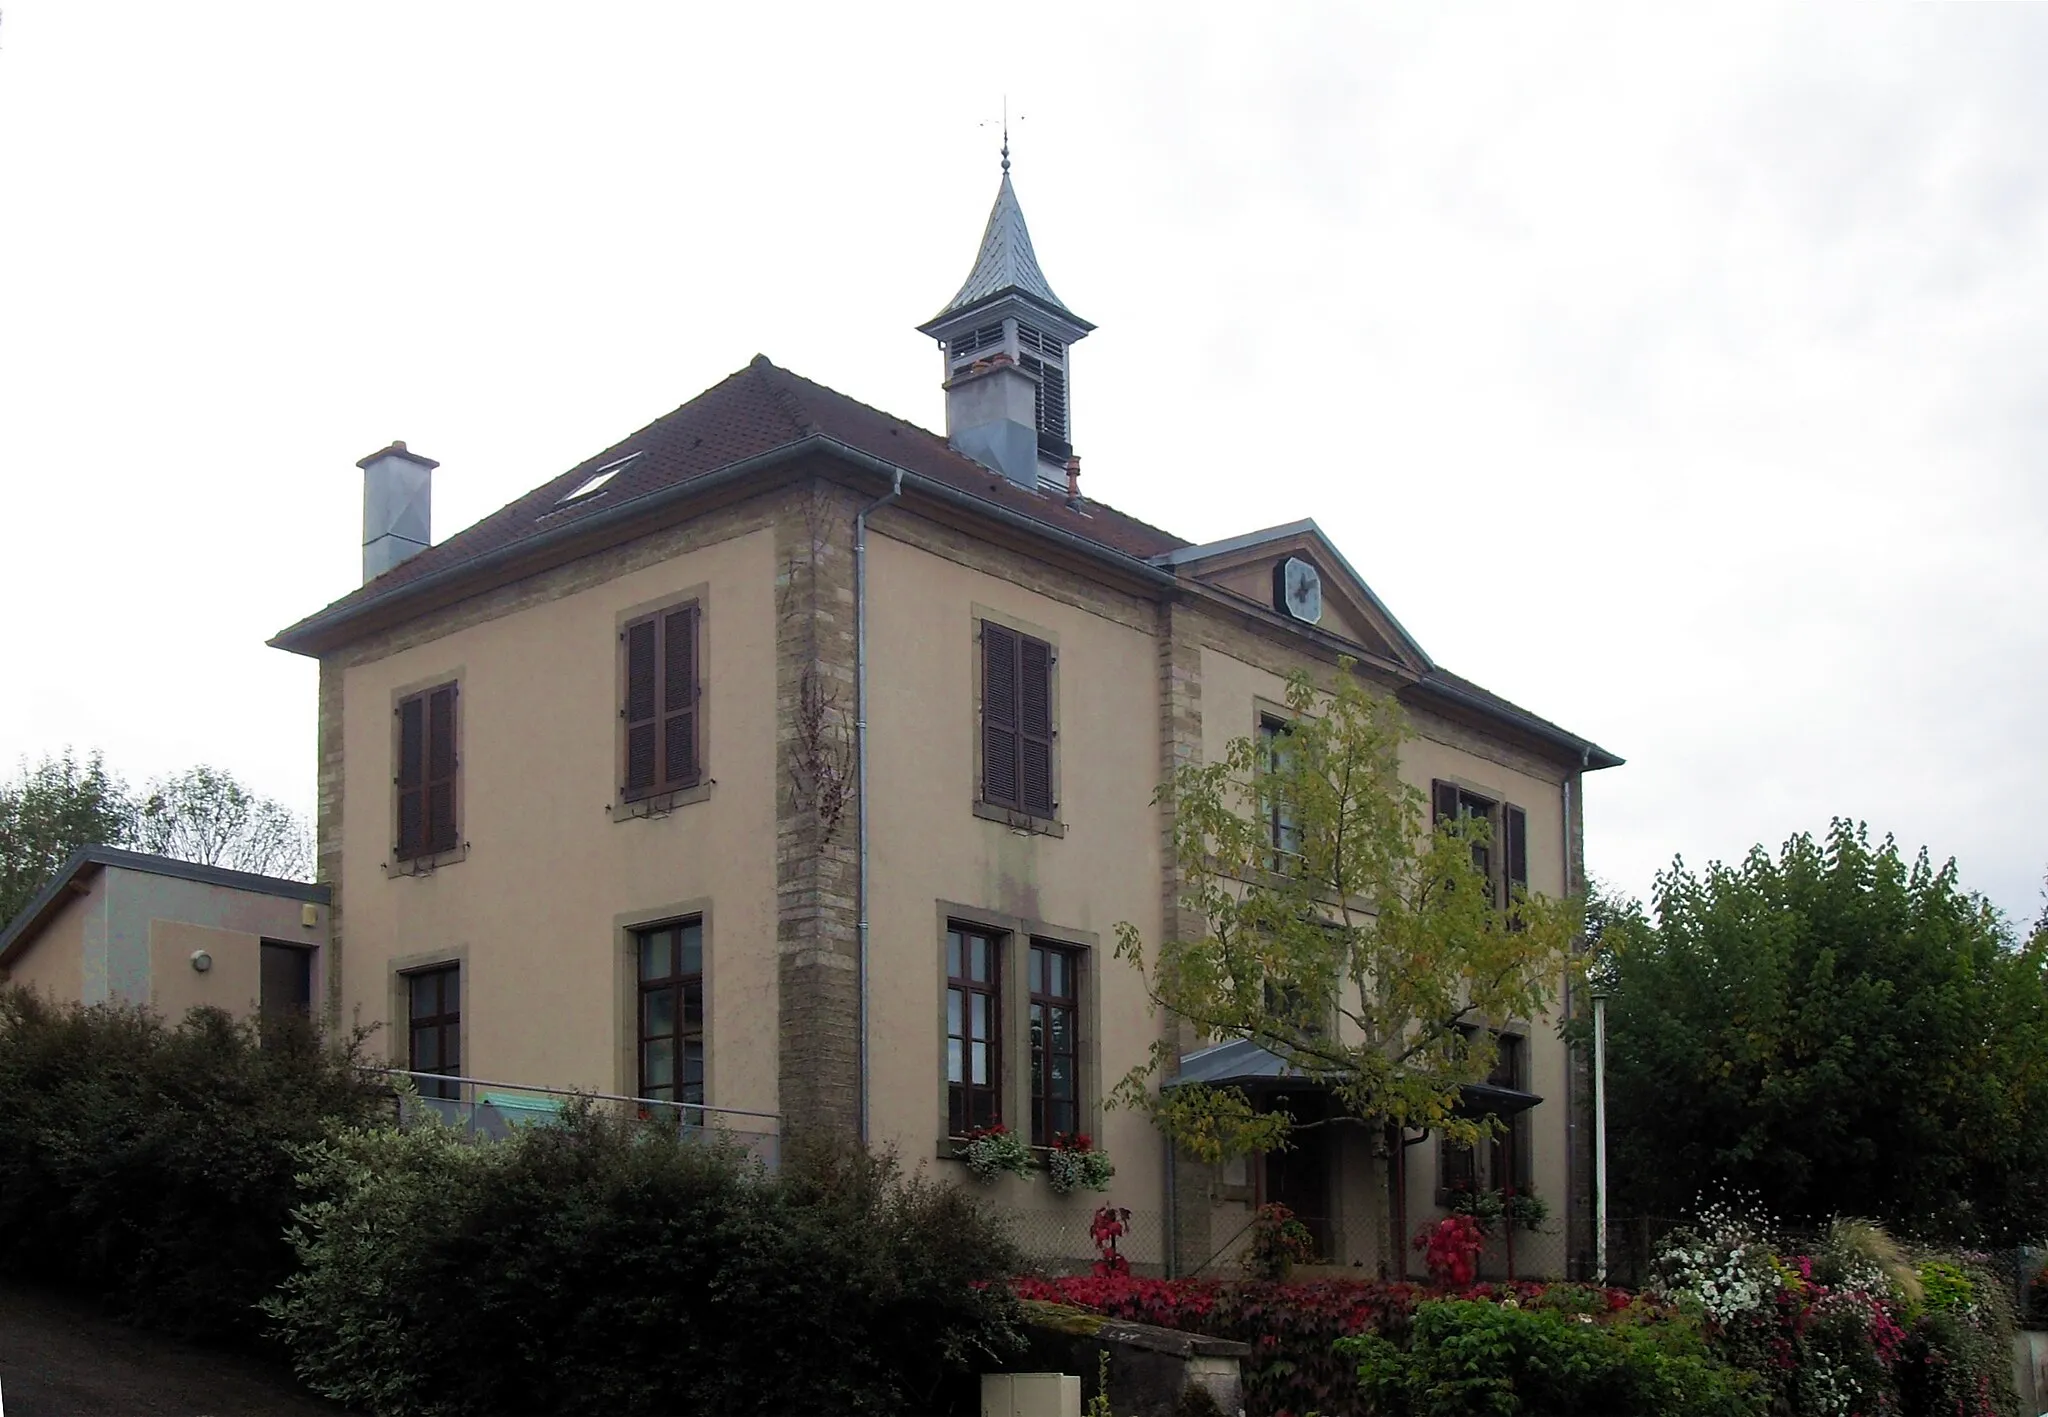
398	491
989	418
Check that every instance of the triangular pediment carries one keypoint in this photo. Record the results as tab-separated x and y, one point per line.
1245	567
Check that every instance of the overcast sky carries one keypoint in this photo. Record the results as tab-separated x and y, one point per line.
1676	374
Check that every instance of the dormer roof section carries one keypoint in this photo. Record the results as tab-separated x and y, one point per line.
1005	265
1245	565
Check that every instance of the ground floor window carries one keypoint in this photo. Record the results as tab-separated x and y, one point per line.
1055	979
973	1030
434	1008
671	997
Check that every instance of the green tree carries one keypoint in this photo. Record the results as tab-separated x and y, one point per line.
48	812
1337	930
1836	1029
202	814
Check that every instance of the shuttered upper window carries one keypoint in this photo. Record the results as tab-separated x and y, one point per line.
426	774
1504	861
1016	721
660	696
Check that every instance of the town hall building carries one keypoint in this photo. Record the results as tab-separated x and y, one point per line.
792	765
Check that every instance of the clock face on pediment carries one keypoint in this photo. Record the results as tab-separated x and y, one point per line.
1298	589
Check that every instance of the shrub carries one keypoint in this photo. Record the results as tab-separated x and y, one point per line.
604	1266
1957	1357
1472	1359
1451	1250
1279	1242
149	1163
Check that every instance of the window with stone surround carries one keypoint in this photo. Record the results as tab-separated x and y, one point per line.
1018	733
671	1013
434	1027
425	775
661	689
974	1029
1503	859
1054	977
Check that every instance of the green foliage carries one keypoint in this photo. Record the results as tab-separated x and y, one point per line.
1098	1405
48	812
1957	1358
149	1163
603	1266
1278	1243
1835	1028
1360	947
1945	1286
1475	1359
202	815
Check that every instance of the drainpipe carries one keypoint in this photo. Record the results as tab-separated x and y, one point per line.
1599	1137
860	759
1571	1100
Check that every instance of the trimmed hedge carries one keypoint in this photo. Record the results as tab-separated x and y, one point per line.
605	1266
150	1164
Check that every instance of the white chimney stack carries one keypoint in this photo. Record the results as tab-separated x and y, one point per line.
398	488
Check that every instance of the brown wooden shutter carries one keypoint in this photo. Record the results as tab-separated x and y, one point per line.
999	771
1443	797
679	697
1514	853
1034	722
411	778
442	833
639	709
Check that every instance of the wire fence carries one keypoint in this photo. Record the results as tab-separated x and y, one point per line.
1057	1241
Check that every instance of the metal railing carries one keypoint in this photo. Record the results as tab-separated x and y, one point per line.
491	1110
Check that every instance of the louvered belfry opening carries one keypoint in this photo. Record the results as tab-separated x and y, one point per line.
660	703
1045	359
426	774
966	346
1016	721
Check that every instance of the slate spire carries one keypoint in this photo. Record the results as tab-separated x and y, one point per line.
1006	261
1006	318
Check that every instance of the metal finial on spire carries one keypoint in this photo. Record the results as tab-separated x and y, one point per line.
1006	132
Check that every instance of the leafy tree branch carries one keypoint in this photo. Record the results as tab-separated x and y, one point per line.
1338	929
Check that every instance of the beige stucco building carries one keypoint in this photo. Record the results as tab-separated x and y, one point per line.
122	927
790	759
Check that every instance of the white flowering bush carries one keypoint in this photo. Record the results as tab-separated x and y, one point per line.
1074	1164
1725	1264
991	1151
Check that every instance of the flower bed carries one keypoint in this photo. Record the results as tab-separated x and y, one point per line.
1740	1324
1291	1327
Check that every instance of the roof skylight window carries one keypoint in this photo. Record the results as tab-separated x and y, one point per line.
595	483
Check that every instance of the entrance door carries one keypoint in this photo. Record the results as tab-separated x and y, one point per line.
1299	1177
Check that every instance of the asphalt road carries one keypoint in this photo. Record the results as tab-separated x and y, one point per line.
58	1358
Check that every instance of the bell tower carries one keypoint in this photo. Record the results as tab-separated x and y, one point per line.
1005	339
